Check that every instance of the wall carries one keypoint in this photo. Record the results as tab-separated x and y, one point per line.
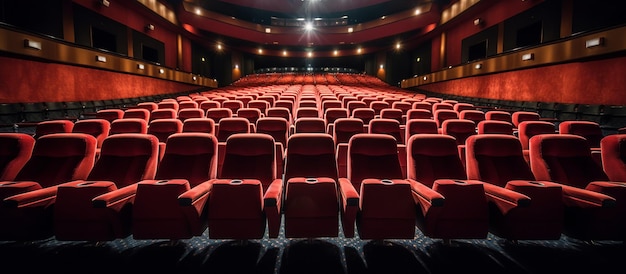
33	81
590	82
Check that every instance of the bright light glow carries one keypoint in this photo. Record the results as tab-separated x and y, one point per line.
335	52
383	17
219	47
260	51
236	66
398	45
350	29
308	26
381	66
202	59
284	53
198	11
310	54
358	50
268	30
418	11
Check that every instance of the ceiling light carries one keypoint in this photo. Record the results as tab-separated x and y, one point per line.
350	29
383	18
308	26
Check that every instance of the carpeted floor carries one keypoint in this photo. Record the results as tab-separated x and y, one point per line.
323	255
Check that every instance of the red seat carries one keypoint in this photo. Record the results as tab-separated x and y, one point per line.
55	159
420	126
138	113
98	128
206	105
247	195
614	156
365	114
352	105
217	114
15	151
386	205
377	106
307	112
110	114
418	114
528	129
279	112
332	114
274	126
252	114
231	125
169	104
451	206
474	115
187	104
53	126
128	125
233	105
344	129
591	131
125	159
495	127
566	159
460	107
390	127
444	114
200	125
312	200
173	205
499	115
310	125
498	160
520	116
150	106
166	113
187	113
395	114
262	105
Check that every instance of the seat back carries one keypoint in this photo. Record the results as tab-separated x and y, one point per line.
249	156
390	127
365	114
345	128
310	125
15	150
432	157
444	114
170	104
262	105
150	106
201	125
217	114
460	129
206	105
564	158
613	150
474	115
98	128
233	105
126	159
163	128
128	125
187	104
460	107
332	114
495	127
252	114
418	114
498	115
520	116
307	112
231	125
187	113
528	129
190	156
391	113
310	155
378	106
59	158
53	126
496	159
587	129
163	113
352	105
281	112
276	127
110	114
138	113
372	156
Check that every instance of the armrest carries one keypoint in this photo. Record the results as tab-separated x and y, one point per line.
505	199
615	190
116	199
36	198
574	196
190	197
272	201
426	196
350	204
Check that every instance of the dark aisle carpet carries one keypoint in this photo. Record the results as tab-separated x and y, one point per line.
324	256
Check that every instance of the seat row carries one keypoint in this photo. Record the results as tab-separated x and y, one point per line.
61	190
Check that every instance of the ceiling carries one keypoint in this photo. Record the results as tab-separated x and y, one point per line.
277	26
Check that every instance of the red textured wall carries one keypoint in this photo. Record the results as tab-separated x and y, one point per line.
24	81
592	82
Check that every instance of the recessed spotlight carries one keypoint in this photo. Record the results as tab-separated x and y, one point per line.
358	50
260	51
418	11
350	30
310	54
284	53
268	30
336	52
308	26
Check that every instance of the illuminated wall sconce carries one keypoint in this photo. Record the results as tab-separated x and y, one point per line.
594	42
236	66
32	44
350	30
194	78
149	27
478	21
382	67
478	66
268	30
528	57
105	3
141	66
161	71
425	78
101	59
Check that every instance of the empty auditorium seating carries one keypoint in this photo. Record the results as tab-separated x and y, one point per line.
395	114
15	151
386	205
252	114
528	129
262	105
168	104
497	159
187	113
233	105
53	126
187	104
418	114
164	113
279	112
498	115
591	131
231	125
98	128
150	106
451	207
217	114
495	127
613	148
344	129
475	115
277	127
566	159
55	159
520	116
206	105
247	191
365	114
387	126
309	125
306	112
441	115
